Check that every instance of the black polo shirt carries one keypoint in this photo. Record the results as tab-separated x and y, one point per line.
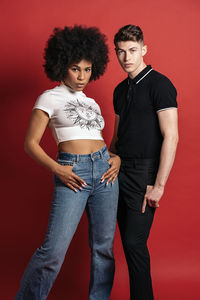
137	102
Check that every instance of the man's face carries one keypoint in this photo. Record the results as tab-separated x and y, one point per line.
130	56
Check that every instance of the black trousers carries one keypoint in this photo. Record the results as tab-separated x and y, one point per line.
134	176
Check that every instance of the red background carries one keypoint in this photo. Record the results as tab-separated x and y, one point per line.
171	31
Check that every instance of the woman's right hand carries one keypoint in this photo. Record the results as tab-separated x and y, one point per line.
70	179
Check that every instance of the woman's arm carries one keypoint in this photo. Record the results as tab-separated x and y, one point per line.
114	160
37	125
115	138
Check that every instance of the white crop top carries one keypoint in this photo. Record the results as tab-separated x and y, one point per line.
73	116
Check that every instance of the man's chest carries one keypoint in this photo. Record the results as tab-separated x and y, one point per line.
140	102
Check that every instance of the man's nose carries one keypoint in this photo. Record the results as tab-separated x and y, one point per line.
126	56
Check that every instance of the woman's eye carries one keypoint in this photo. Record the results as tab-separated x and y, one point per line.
74	69
88	70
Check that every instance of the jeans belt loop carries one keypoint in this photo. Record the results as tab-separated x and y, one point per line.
101	154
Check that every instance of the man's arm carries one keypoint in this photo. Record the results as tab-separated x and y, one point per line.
168	121
114	160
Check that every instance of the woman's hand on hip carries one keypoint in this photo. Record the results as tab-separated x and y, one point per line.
70	179
112	173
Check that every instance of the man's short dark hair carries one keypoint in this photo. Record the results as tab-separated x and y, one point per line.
129	33
71	45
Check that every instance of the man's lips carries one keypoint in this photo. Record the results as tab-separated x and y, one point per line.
127	65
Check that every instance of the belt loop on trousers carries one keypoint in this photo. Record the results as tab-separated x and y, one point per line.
77	158
101	154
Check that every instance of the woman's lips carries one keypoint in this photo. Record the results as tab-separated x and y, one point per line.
80	85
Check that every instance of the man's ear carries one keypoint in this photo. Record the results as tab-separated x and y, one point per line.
144	50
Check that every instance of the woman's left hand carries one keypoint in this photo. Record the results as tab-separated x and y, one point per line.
112	173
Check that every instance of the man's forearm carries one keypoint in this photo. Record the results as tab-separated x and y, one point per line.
167	156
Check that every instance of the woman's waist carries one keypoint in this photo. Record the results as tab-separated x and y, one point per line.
81	146
100	151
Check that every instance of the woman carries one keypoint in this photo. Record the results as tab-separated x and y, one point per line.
74	56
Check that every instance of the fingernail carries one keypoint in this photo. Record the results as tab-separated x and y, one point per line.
75	190
107	183
102	180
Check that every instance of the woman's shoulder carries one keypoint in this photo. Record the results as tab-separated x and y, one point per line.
55	94
48	100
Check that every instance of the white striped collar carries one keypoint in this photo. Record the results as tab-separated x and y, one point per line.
144	76
141	75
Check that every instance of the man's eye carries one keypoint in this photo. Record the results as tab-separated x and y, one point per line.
119	52
132	50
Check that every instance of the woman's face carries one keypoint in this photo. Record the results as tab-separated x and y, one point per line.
78	75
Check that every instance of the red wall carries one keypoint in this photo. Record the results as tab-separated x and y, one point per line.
171	31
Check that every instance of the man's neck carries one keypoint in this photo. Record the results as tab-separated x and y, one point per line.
141	67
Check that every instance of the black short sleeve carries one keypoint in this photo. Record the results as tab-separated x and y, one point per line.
164	95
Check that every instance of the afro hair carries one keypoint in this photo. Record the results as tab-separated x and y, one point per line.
71	45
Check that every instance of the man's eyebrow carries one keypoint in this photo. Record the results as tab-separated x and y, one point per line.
116	49
134	47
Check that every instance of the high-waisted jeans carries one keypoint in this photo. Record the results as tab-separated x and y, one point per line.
100	201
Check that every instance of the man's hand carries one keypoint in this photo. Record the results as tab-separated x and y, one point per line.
152	196
112	173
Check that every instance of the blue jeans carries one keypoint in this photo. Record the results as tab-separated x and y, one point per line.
100	201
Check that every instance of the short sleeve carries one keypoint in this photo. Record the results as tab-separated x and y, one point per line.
164	95
44	102
98	108
116	103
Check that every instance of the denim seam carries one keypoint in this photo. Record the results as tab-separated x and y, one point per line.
91	241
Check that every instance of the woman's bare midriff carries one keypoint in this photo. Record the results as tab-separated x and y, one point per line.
81	146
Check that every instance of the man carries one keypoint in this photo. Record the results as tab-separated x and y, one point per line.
145	137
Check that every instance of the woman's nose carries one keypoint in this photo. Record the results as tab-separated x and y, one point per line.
81	75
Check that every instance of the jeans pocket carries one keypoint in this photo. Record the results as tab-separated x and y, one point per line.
105	159
64	162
